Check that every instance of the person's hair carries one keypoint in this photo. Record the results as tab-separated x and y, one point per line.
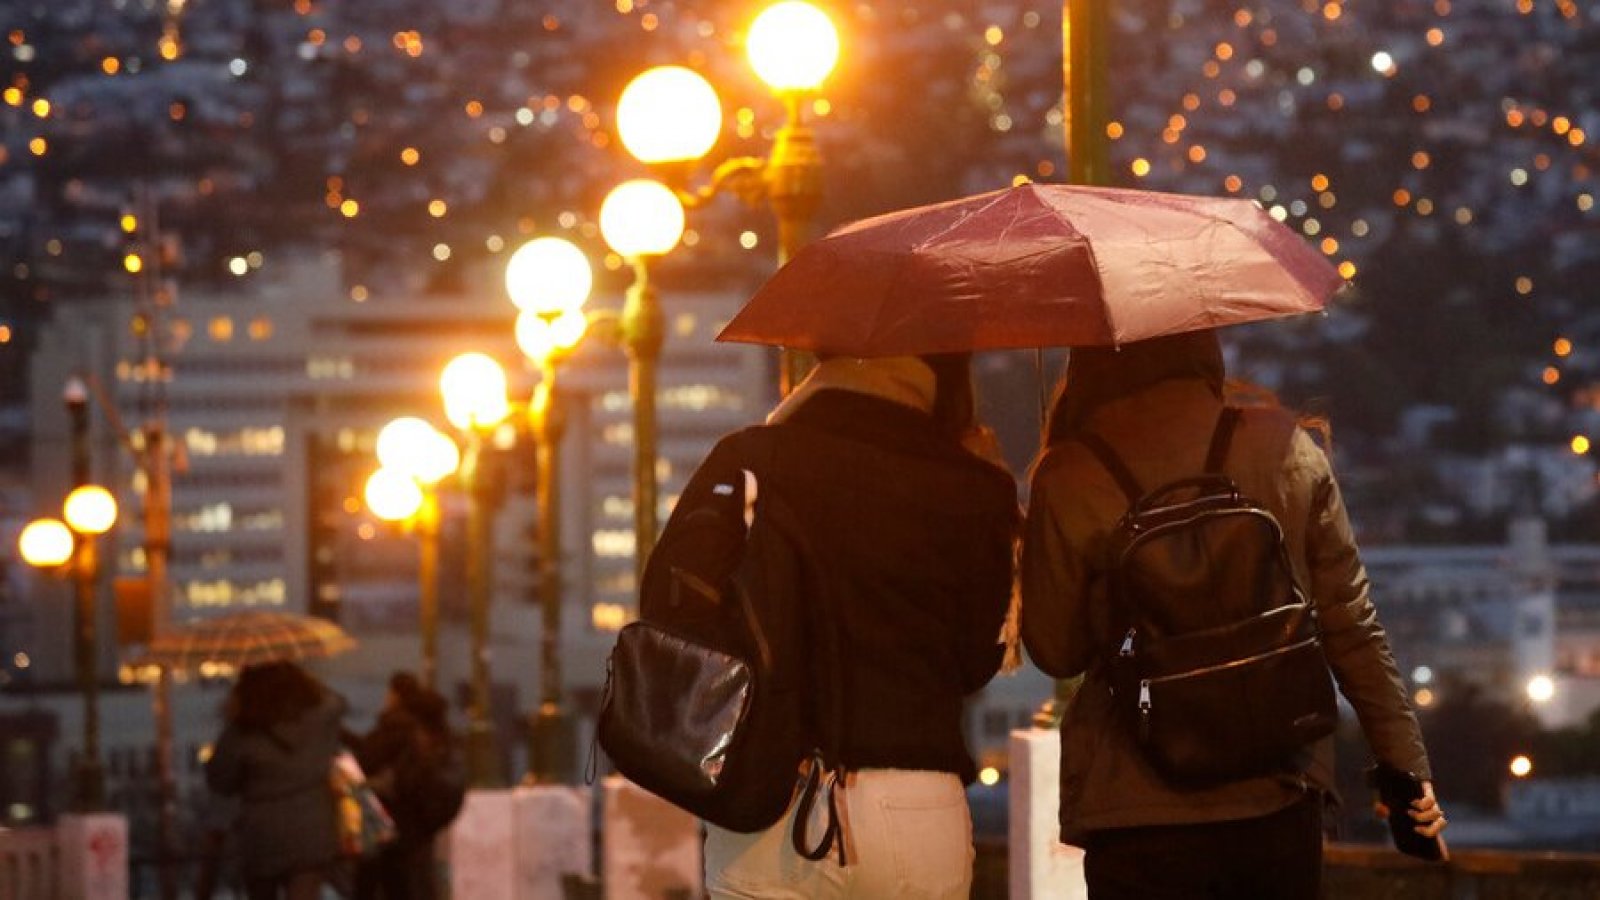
270	693
955	404
424	704
1097	375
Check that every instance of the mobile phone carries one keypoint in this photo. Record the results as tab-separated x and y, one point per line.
1397	788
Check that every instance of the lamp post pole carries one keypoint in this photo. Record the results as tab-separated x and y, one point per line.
793	179
644	331
85	571
482	764
1085	45
427	527
550	751
1087	28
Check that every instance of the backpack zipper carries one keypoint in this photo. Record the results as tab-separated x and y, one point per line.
1127	643
1144	709
1233	663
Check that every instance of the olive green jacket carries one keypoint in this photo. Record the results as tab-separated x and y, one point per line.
1162	433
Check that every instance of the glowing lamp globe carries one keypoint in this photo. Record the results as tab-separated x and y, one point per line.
90	509
544	337
392	495
641	218
548	275
474	389
413	446
668	114
45	543
793	46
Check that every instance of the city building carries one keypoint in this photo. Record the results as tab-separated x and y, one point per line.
273	397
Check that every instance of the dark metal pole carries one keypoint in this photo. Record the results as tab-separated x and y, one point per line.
794	187
427	525
1086	51
644	331
1086	41
482	758
550	753
90	775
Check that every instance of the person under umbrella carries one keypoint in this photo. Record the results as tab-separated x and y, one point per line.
883	463
274	754
1157	402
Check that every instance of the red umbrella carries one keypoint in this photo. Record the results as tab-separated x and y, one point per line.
1034	266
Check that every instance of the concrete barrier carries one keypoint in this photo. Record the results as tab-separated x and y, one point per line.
651	850
1042	868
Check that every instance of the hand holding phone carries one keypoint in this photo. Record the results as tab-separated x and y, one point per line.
1409	805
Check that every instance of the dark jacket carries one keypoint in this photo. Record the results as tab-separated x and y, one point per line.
286	816
1162	432
915	534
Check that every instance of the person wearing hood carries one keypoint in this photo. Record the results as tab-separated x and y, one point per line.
914	519
1156	403
274	754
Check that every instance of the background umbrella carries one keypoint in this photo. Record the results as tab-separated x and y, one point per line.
1033	266
247	638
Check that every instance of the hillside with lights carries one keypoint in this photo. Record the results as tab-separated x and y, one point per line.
1443	154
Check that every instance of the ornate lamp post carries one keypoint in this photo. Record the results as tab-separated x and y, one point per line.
474	389
642	219
671	114
549	279
414	457
50	544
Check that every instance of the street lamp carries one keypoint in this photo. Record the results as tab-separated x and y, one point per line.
52	545
474	390
641	219
671	114
549	279
413	457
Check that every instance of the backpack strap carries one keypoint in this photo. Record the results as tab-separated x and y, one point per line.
1218	453
826	767
1113	464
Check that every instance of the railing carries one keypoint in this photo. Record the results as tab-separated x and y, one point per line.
29	863
1366	872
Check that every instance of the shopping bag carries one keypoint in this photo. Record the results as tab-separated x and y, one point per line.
364	825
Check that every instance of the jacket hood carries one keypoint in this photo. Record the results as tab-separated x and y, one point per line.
905	380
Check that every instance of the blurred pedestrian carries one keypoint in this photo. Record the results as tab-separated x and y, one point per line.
275	754
915	532
411	763
1157	403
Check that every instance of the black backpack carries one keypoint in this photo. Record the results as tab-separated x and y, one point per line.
430	786
1218	667
705	704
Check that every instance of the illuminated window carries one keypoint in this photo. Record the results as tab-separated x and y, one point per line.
613	543
260	329
610	616
221	329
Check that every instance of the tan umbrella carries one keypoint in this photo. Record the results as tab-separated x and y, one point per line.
246	639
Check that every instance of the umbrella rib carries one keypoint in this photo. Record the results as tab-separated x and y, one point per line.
995	197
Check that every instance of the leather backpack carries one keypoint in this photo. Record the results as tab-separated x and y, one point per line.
705	705
1218	667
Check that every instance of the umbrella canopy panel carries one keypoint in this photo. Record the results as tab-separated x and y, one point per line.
1036	265
247	638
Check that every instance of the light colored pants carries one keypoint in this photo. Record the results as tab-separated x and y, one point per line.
909	834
